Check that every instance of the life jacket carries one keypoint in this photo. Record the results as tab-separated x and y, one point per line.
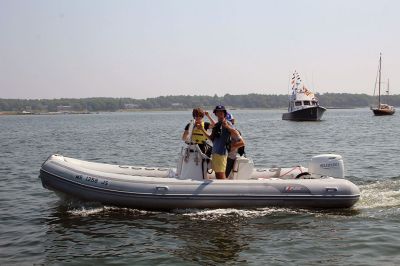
198	135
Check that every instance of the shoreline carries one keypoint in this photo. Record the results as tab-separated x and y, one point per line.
7	113
43	113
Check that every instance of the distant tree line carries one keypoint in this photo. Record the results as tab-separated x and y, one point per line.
338	100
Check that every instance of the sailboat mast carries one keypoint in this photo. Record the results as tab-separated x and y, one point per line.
387	92
388	88
379	82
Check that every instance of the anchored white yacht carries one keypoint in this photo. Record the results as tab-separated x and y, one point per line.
303	104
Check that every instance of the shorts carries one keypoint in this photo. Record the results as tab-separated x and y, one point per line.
218	162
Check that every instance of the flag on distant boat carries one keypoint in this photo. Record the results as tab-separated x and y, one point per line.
298	86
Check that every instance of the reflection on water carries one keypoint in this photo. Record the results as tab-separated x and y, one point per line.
194	236
184	236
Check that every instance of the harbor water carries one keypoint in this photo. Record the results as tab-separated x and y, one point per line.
38	228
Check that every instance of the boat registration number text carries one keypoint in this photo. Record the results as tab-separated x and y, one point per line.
90	179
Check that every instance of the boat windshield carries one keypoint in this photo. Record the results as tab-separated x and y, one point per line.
306	102
298	103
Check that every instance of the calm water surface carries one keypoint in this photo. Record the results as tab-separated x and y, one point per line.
36	227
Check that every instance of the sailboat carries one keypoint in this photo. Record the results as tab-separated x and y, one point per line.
382	108
303	104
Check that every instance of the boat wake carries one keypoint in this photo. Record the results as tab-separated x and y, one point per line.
203	214
381	194
85	211
217	214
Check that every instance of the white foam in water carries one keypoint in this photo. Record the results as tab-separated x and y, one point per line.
380	194
216	214
87	211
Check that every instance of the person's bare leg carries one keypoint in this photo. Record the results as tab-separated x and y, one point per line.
220	175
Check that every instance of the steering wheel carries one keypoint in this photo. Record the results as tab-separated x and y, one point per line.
302	174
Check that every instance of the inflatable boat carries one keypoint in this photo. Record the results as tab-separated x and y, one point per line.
192	185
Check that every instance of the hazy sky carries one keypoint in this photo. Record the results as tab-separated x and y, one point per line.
140	49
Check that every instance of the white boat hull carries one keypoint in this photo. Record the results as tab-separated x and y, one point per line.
124	186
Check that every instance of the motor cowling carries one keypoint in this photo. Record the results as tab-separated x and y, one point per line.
326	165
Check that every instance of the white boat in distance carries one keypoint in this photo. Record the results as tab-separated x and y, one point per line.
303	104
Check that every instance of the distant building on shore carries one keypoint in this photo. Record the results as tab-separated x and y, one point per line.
131	106
64	108
25	112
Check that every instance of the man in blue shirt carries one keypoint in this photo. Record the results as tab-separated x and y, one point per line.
220	136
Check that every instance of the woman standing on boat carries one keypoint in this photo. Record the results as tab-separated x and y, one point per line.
235	147
198	136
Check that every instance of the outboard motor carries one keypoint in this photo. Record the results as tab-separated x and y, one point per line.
326	165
